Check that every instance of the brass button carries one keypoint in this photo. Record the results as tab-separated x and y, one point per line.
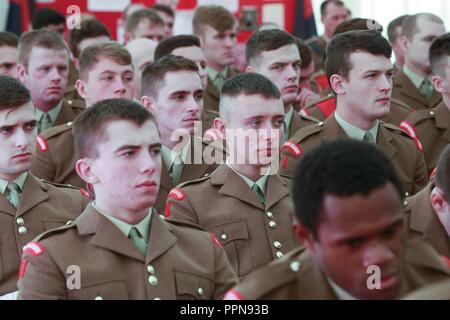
68	222
269	215
272	224
69	102
405	203
277	244
98	298
295	266
150	269
224	237
406	194
205	175
279	254
153	280
432	113
200	291
22	230
320	124
20	221
156	298
69	123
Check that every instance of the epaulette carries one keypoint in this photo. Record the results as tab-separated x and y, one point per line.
401	104
393	127
182	223
60	185
70	224
308	118
205	177
422	254
76	103
305	132
57	130
269	277
421	115
406	129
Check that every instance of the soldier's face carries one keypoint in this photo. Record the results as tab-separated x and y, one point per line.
253	129
219	47
107	80
305	76
8	58
179	102
46	75
149	30
196	55
168	23
368	87
357	235
127	172
282	67
417	48
441	80
17	140
334	15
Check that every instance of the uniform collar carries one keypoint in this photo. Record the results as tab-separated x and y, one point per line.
414	77
287	123
340	293
53	113
212	73
20	180
353	131
143	226
169	155
261	182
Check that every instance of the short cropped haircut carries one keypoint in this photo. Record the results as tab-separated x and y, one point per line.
266	40
142	14
343	45
341	168
8	39
163	8
89	126
439	53
216	17
13	93
305	53
249	83
324	5
168	45
42	38
443	172
154	74
111	50
409	25
46	16
358	24
392	26
91	28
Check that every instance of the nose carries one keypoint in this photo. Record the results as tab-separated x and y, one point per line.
21	140
194	106
55	75
229	41
292	74
386	84
379	254
148	164
119	87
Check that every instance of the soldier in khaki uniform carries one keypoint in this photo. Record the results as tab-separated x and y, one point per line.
106	72
356	118
349	202
124	248
216	28
28	205
274	54
248	208
413	84
43	68
432	126
438	291
428	212
172	90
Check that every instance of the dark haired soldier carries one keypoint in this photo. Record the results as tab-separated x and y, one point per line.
8	54
274	54
120	247
349	202
432	126
49	18
358	65
244	203
167	15
394	32
144	23
28	205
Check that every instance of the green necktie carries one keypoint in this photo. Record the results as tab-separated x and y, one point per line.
259	193
176	169
12	193
44	122
219	81
138	240
426	88
368	137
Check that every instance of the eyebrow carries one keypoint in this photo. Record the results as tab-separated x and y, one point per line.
135	147
397	222
379	71
17	125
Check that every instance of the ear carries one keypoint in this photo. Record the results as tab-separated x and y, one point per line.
250	69
127	37
21	71
76	63
404	43
83	167
438	202
220	125
148	103
438	84
306	237
80	85
337	84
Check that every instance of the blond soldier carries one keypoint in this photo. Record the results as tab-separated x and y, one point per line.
245	205
124	248
28	205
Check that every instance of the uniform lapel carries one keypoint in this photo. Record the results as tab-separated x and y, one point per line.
332	130
191	170
442	118
407	88
65	114
384	142
234	186
421	219
34	193
276	190
166	181
6	206
106	234
296	123
161	237
213	93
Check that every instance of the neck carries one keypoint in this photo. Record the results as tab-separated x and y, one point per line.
287	107
45	107
215	66
9	177
169	142
400	61
417	70
353	118
123	214
251	172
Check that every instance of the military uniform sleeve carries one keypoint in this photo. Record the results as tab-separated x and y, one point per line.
39	277
225	276
290	154
179	208
421	178
42	165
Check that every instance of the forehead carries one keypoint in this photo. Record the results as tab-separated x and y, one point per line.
284	54
7	52
147	24
364	61
427	27
89	41
12	116
334	9
246	106
193	53
37	54
210	30
107	64
125	132
181	81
